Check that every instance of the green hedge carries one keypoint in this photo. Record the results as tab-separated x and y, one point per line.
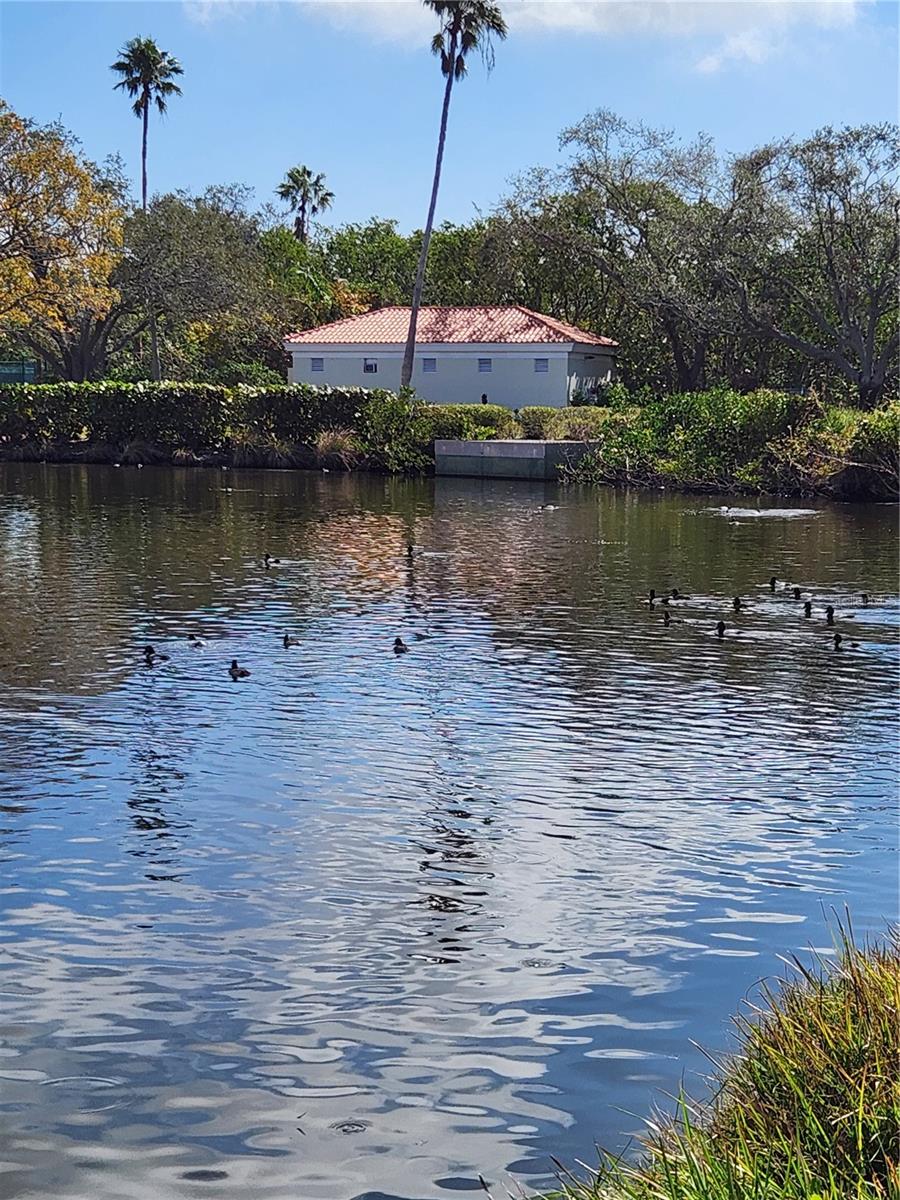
395	433
580	423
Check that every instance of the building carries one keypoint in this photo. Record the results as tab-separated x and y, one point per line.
510	355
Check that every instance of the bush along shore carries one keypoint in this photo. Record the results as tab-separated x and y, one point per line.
715	441
186	424
809	1108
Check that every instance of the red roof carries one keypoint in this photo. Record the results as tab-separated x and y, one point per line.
484	323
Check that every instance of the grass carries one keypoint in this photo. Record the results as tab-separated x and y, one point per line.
337	448
808	1109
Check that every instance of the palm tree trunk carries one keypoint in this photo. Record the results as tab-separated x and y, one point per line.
410	352
155	367
144	154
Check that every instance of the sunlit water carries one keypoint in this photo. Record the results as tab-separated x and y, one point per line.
368	925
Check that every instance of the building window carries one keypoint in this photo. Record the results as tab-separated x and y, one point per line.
541	366
370	366
317	364
484	366
429	366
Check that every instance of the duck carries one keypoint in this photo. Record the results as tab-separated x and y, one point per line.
864	597
839	637
151	657
737	604
410	550
798	593
807	608
720	630
196	643
237	672
268	560
676	595
287	641
829	615
772	582
400	647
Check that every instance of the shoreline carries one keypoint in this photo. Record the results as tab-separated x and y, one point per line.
302	458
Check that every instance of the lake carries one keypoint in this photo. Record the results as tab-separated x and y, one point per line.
370	925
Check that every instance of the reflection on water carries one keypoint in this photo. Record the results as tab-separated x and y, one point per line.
366	925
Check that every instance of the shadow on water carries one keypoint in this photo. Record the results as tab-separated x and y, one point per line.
364	924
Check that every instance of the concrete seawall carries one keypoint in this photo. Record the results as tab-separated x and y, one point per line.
515	459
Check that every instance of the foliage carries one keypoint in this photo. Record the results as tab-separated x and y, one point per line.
147	75
306	195
265	425
580	423
337	447
60	227
466	420
820	274
196	263
723	440
809	1109
715	440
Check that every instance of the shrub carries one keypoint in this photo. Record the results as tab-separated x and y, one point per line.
336	448
810	1106
471	421
536	421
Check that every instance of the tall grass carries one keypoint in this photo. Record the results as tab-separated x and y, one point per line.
808	1109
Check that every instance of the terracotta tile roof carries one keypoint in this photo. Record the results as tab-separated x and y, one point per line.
477	324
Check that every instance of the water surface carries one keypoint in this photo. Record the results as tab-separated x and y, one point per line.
369	926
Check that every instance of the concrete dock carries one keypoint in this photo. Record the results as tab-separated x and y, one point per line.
514	459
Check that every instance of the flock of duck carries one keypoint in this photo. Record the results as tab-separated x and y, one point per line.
152	657
738	604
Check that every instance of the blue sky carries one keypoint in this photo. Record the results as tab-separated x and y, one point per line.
349	86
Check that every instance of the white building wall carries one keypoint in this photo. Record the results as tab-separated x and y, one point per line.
512	380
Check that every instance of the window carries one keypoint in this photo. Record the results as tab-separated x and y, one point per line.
541	366
370	366
317	364
429	366
484	366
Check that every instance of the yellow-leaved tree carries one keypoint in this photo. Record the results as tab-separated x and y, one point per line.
60	227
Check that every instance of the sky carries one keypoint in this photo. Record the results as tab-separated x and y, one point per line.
350	88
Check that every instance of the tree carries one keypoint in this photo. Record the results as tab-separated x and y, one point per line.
661	220
147	75
821	275
60	227
195	262
307	196
466	25
376	261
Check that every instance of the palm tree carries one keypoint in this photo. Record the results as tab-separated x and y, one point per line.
466	25
306	195
147	74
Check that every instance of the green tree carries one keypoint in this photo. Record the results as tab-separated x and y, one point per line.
198	264
376	262
307	196
466	25
821	274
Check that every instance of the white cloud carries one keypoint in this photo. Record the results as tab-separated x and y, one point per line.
750	30
751	47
